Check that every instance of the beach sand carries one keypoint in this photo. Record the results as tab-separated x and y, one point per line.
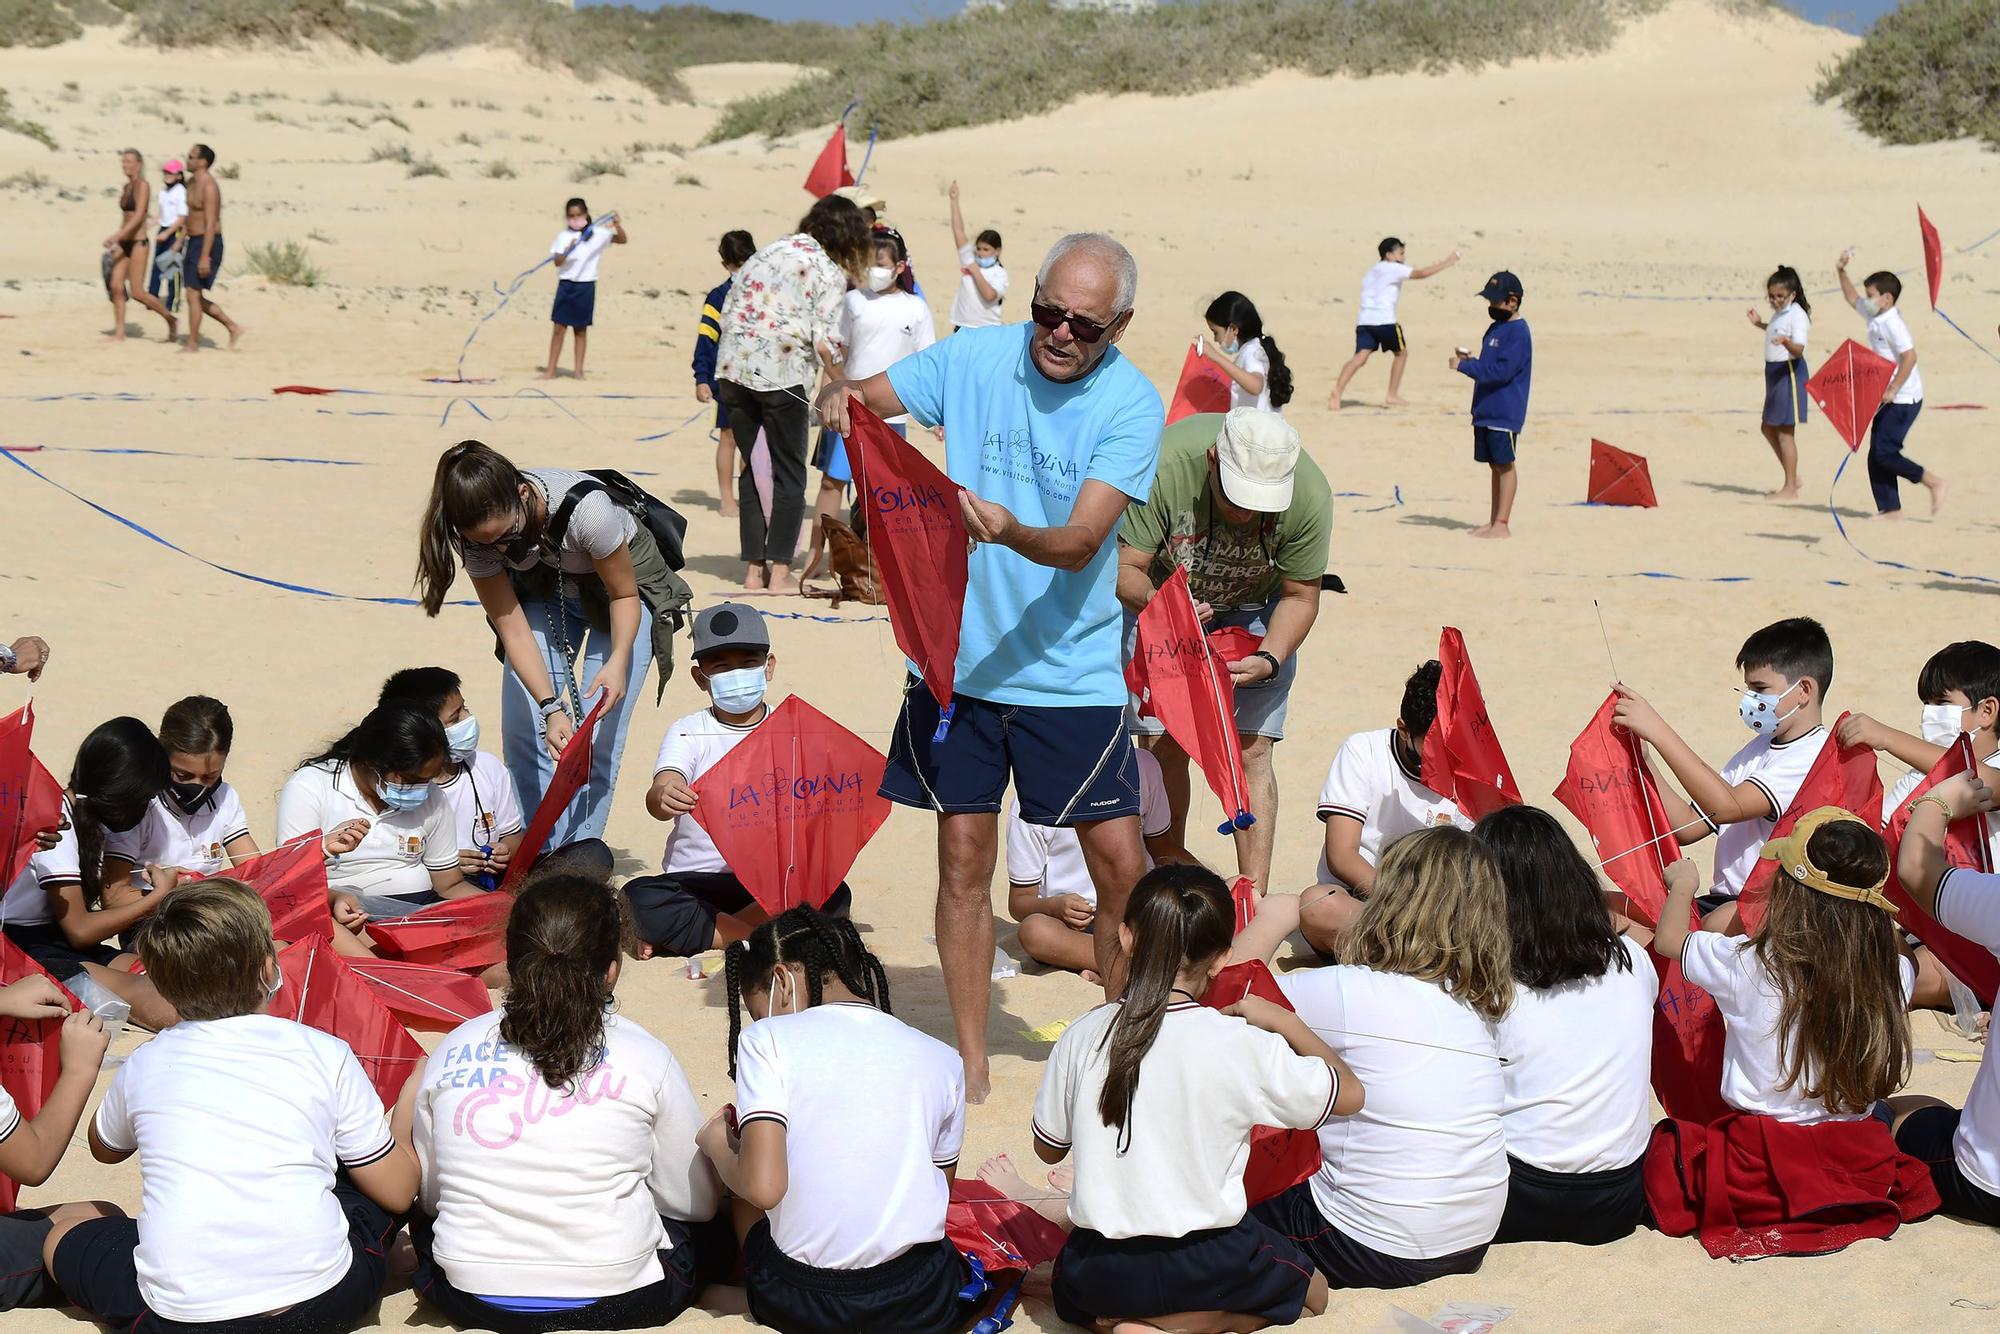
1685	162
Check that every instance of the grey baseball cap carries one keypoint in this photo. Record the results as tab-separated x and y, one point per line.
729	625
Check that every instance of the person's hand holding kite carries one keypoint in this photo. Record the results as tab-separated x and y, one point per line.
35	996
347	910
986	521
344	837
671	796
1635	715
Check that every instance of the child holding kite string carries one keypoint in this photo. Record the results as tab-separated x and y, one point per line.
1156	1096
1785	371
198	824
1889	338
1501	372
577	249
832	1090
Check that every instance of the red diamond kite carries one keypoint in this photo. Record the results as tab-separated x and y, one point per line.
829	170
572	772
793	805
1965	845
1003	1235
1842	776
1233	643
918	536
1462	758
1609	791
30	1049
1279	1158
1687	1048
291	879
1180	680
435	999
31	800
1203	387
320	991
1848	387
468	934
1933	254
1619	478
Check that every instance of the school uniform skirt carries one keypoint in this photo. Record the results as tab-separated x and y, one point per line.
1785	399
918	1292
1248	1270
1584	1208
575	304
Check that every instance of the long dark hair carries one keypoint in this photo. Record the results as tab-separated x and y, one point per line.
816	941
397	737
1787	277
1180	916
842	231
1556	918
120	767
197	725
563	935
473	483
1236	309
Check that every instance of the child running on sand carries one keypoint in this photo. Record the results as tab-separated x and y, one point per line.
1500	374
1376	328
578	248
1785	371
734	248
1889	337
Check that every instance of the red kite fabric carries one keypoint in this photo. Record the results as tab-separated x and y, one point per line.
1687	1048
1203	387
1279	1158
1003	1235
1933	254
1233	643
1462	758
1180	680
829	170
31	800
1842	776
1608	790
467	934
1619	478
434	999
1243	893
292	881
320	991
1965	845
793	805
918	536
572	772
1848	388
30	1050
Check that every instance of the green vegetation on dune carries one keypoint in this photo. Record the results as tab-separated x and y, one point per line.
1927	71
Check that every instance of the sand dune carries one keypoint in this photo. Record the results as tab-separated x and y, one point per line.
1685	162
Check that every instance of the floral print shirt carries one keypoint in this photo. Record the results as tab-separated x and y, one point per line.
785	298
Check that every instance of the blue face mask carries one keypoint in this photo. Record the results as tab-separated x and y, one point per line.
402	796
463	738
739	691
988	261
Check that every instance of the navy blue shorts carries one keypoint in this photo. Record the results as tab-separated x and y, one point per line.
1785	396
675	914
1070	765
918	1292
1346	1262
575	304
721	415
1248	1269
191	274
1926	1135
1379	338
1492	445
23	1281
1582	1208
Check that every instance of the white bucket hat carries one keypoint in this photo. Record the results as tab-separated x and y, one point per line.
1257	452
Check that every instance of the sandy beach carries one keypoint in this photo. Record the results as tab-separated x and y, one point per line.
1641	194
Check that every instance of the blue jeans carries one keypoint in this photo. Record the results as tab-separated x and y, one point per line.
528	760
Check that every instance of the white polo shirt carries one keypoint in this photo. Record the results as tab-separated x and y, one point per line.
168	836
10	1116
1368	782
1579	1069
1051	857
692	746
1252	359
1381	290
580	253
1889	337
397	854
1792	323
1969	903
1177	1167
969	310
1729	969
873	1112
240	1125
1420	1172
1778	769
484	806
27	902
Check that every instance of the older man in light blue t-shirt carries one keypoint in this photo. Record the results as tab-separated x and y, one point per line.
1051	432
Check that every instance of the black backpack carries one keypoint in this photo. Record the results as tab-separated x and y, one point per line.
662	520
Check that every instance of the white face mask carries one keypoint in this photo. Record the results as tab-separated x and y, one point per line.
463	739
739	691
1760	712
881	279
1942	723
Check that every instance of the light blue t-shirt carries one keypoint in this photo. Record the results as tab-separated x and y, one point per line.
1033	634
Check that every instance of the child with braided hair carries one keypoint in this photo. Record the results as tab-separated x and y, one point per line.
834	1089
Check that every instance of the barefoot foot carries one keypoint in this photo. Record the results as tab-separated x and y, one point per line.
1394	402
1937	486
1492	530
1789	491
1000	1173
755	579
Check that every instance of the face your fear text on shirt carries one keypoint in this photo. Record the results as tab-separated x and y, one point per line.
1017	457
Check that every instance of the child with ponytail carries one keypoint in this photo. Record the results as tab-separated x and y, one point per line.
561	1184
1240	349
843	1140
1785	371
1156	1095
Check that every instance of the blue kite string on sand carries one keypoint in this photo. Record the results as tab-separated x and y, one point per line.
525	389
1963	334
506	296
1889	564
177	454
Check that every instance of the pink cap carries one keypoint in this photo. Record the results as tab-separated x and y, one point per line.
173	164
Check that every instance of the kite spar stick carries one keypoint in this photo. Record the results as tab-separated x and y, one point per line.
1242	819
1607	639
305	982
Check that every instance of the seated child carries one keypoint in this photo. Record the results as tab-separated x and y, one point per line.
30	1150
1049	889
847	1130
1157	1095
269	1182
1374	795
581	1217
485	810
1961	1147
197	825
696	903
1787	669
1960	690
60	910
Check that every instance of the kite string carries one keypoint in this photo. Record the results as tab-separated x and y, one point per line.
508	295
1874	560
1939	312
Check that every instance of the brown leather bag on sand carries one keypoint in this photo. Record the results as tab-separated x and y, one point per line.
853	566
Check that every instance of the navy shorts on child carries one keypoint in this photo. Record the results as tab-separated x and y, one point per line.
675	913
917	1292
1582	1208
1492	445
1785	396
1929	1135
1348	1263
576	303
1248	1270
1378	338
23	1281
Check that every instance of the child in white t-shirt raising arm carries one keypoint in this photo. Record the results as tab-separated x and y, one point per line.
982	284
1376	328
578	247
1889	337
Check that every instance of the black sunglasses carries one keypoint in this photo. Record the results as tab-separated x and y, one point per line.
1080	328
